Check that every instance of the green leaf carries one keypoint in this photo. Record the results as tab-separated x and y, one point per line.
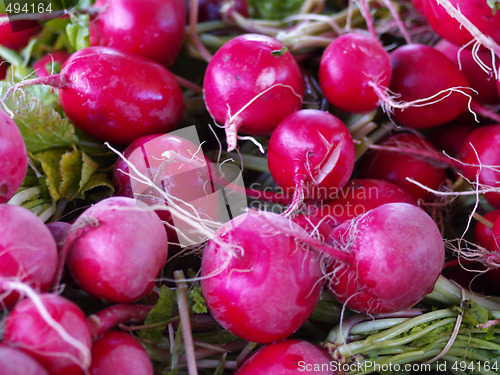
199	305
474	313
41	126
97	180
78	32
49	160
162	312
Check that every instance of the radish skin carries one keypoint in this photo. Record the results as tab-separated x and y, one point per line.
399	254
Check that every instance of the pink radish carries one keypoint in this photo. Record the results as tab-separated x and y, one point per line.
53	330
177	167
119	353
18	38
288	357
350	66
13	158
155	31
311	155
116	249
251	84
397	255
110	103
14	361
44	67
357	197
258	281
28	253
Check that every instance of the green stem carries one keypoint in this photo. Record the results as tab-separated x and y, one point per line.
447	293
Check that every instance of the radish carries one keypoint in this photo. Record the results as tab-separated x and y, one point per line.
13	158
350	66
101	97
357	197
18	38
258	281
478	12
434	87
116	249
386	163
480	158
483	235
155	31
28	252
119	353
53	330
45	66
311	155
449	137
177	166
15	362
467	60
288	357
251	84
397	255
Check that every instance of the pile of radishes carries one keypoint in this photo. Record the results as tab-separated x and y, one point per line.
367	138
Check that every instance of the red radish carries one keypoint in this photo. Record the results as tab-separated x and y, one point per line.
422	73
28	252
251	84
288	357
449	137
395	167
357	197
13	158
15	362
258	281
478	12
311	155
210	10
110	103
184	175
155	31
349	68
481	159
18	39
53	330
397	256
44	67
483	82
116	249
119	353
483	235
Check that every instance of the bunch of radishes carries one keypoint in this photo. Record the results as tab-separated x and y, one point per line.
368	146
